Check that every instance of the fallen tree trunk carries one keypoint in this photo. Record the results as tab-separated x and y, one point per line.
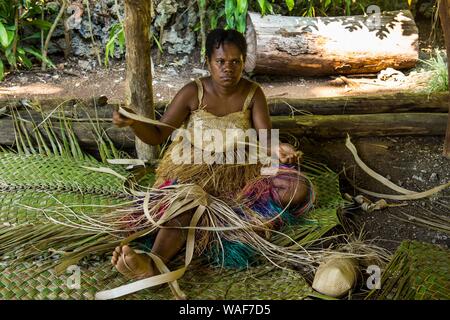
369	125
278	106
50	104
331	45
326	127
384	103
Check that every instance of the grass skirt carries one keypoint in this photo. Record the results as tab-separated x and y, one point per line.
258	207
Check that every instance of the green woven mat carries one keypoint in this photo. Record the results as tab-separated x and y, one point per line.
316	223
200	282
26	205
417	271
58	182
53	172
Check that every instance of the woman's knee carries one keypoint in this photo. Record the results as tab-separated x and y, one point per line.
291	191
183	220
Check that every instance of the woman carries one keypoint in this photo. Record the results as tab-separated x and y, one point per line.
222	100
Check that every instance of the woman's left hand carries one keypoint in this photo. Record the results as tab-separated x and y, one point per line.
288	155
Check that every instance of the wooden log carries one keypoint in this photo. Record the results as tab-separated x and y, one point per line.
337	126
331	45
138	75
444	14
50	104
318	127
380	103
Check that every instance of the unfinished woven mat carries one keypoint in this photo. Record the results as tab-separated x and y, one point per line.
200	282
27	209
48	184
417	271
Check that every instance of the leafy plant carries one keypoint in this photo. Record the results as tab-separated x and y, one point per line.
439	80
117	38
21	25
116	35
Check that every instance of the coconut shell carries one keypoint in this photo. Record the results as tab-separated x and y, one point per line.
335	277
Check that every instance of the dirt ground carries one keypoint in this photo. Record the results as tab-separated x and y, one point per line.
70	81
414	163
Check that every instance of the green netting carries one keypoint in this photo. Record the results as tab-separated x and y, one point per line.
417	271
263	282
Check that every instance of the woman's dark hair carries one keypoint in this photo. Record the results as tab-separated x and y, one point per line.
218	37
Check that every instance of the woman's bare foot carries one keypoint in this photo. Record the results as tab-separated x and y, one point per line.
131	264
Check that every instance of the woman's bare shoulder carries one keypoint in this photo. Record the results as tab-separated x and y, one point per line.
188	89
246	83
188	94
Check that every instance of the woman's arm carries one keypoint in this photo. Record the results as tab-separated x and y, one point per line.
176	114
261	120
260	111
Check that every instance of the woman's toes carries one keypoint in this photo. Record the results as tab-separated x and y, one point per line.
131	264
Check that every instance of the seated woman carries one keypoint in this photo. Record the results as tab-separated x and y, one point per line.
224	100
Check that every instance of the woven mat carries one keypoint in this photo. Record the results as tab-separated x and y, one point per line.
59	182
418	271
200	282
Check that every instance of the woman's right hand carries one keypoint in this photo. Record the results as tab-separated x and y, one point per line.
120	120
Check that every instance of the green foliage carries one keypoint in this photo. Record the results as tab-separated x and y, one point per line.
20	32
439	80
22	26
117	39
234	11
116	35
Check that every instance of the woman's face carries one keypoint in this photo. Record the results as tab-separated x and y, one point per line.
226	65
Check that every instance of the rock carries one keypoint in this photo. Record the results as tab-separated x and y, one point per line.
165	9
85	65
201	72
390	74
177	44
172	72
434	177
418	178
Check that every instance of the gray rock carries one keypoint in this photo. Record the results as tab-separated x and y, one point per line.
165	9
172	72
434	177
201	72
85	65
178	44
